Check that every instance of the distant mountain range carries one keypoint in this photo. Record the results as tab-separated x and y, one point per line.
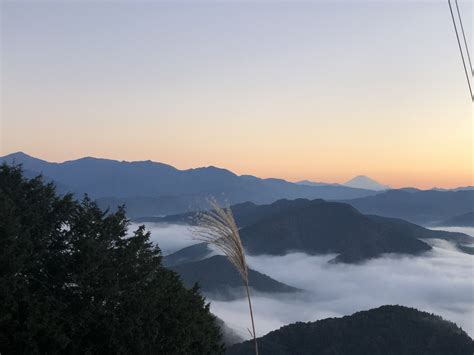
460	220
245	214
150	188
154	189
427	207
364	182
358	182
387	330
218	279
313	183
320	227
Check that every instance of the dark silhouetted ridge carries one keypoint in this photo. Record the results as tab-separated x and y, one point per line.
218	279
387	330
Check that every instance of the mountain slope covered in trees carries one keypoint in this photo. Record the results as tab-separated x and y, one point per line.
320	227
218	278
328	227
245	214
387	330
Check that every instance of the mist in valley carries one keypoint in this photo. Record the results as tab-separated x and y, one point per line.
438	282
465	230
170	237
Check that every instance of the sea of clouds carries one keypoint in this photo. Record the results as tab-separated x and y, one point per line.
441	282
170	237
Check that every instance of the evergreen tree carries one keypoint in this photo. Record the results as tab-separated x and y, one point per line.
73	280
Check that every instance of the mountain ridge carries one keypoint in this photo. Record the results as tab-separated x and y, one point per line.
321	227
459	220
306	227
218	279
388	330
426	207
167	189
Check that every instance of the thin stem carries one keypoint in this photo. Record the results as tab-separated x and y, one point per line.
251	317
218	228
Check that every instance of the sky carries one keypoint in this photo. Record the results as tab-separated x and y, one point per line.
298	90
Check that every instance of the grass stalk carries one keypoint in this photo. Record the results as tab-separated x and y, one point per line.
217	227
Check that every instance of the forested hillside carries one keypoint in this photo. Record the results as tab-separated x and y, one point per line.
387	330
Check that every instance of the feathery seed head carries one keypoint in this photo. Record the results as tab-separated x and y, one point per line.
217	227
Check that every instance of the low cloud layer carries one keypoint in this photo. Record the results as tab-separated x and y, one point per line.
465	230
170	237
440	282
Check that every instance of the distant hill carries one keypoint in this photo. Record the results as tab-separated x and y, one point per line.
460	220
245	213
329	227
152	189
320	227
418	206
387	330
410	229
364	182
218	279
463	188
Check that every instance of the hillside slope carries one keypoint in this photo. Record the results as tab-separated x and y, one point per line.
417	206
387	330
329	227
218	279
320	227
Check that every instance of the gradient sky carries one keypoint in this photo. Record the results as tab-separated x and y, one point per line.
297	90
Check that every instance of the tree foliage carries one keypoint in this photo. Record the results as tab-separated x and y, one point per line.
73	280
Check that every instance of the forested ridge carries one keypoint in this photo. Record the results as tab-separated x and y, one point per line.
387	330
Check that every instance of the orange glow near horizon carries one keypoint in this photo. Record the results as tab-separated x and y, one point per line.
395	177
299	91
